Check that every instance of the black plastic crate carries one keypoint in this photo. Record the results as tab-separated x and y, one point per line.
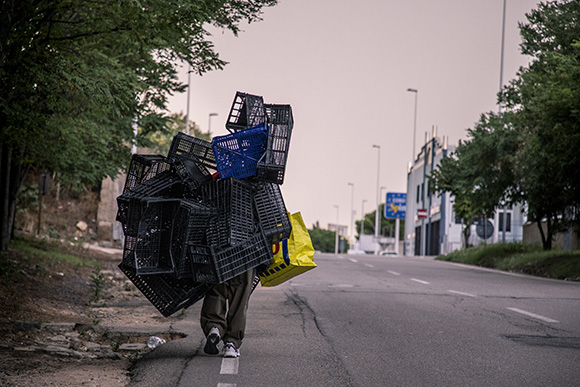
129	212
153	246
129	251
211	265
272	165
234	221
271	212
143	168
130	205
193	159
167	293
247	111
190	226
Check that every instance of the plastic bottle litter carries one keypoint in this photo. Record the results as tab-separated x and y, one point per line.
155	341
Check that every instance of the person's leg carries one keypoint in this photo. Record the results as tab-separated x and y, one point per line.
213	315
239	290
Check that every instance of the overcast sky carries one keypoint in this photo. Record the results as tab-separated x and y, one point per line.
345	67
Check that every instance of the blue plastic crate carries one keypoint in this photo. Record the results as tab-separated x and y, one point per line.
237	154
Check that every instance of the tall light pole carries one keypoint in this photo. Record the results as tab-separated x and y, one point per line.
351	226
377	207
336	232
504	225
362	223
381	200
414	121
188	92
209	122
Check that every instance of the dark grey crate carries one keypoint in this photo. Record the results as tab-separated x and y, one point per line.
247	111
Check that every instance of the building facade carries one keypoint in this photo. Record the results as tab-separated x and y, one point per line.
431	227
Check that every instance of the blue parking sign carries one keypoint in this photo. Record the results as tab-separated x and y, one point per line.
395	205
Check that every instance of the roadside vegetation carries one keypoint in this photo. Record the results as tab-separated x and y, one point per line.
521	258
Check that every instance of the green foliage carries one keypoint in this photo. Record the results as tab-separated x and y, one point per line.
522	258
387	226
98	284
77	74
160	141
528	153
324	240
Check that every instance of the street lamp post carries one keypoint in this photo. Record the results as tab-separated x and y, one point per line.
381	200
336	232
209	122
188	92
351	226
377	193
362	223
414	121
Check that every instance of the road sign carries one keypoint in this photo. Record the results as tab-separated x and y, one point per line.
396	205
421	213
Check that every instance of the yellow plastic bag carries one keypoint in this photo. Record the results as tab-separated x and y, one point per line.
292	256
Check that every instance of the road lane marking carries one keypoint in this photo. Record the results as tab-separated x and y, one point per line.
226	385
421	282
353	260
342	286
393	272
368	265
539	317
462	293
230	365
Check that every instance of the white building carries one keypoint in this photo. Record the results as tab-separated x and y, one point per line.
431	227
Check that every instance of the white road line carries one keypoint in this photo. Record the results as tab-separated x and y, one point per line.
421	282
368	265
226	385
342	286
462	293
230	365
353	260
543	318
393	272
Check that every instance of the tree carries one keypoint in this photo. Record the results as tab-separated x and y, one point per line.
544	101
480	173
160	141
325	240
387	226
76	75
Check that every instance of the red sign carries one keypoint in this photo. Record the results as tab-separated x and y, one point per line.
421	213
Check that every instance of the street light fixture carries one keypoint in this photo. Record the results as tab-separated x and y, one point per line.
336	232
377	193
414	121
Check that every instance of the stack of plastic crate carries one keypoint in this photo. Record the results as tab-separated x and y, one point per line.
208	211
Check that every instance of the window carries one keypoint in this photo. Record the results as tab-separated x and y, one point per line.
508	223
418	193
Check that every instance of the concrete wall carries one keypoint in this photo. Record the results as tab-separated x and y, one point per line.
565	241
108	228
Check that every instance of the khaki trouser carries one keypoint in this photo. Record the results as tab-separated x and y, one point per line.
225	307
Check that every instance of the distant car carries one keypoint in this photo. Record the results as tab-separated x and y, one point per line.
388	253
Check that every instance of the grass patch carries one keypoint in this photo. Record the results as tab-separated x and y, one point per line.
25	252
521	258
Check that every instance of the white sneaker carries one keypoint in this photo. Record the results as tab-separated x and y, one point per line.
211	345
230	350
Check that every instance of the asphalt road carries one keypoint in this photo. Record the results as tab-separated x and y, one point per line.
389	321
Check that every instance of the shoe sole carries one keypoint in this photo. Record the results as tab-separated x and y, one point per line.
211	345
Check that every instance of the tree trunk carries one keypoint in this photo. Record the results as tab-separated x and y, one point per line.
549	233
11	177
